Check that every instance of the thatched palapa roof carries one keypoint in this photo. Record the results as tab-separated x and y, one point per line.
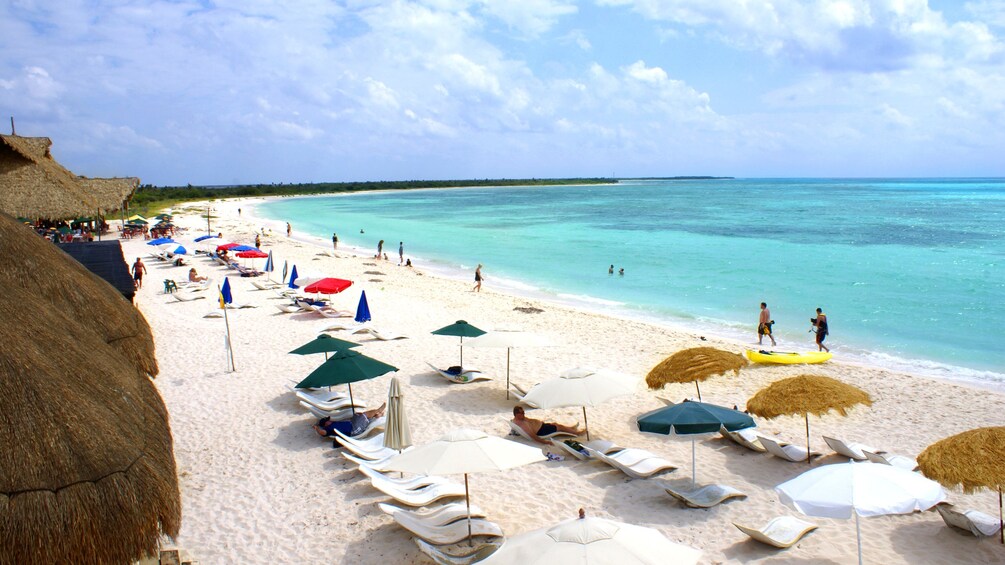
111	193
806	394
972	459
694	364
34	185
87	472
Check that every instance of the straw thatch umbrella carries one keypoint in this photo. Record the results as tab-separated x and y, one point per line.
34	185
971	459
695	364
87	471
806	394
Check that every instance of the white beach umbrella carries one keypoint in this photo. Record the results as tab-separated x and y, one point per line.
397	434
586	541
863	489
510	339
464	451
581	387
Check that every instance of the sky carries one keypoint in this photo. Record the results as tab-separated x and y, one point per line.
254	91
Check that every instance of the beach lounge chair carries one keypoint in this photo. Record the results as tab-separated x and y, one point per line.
635	468
461	376
265	285
438	516
371	443
239	306
379	465
329	312
782	532
519	391
449	533
373	426
704	497
977	523
183	297
788	452
746	437
214	314
323	394
403	483
601	445
421	496
333	405
849	449
890	459
520	432
381	335
337	415
289	308
344	325
441	558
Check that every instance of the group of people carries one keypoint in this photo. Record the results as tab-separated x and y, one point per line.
610	270
819	322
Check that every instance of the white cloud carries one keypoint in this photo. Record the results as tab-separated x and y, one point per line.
530	17
991	12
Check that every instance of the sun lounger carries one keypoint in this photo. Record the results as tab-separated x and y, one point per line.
704	497
977	523
214	314
181	297
333	405
747	438
439	516
381	335
410	483
449	533
788	452
422	496
265	285
289	308
371	443
849	449
603	446
520	432
781	532
635	468
463	376
441	558
344	325
379	465
323	394
238	306
894	460
337	415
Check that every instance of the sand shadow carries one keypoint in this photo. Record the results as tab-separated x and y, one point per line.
475	401
287	403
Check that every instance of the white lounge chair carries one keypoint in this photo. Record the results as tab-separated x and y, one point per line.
333	405
265	285
894	460
746	437
403	483
289	308
371	454
636	469
781	532
704	497
379	465
344	325
463	376
241	305
788	452
439	516
421	496
849	449
519	391
328	311
449	533
520	432
182	297
379	334
977	523
603	446
337	415
371	443
477	554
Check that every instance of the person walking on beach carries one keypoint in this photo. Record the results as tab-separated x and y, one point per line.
764	324
335	241
401	252
478	278
139	269
820	325
289	229
258	241
380	248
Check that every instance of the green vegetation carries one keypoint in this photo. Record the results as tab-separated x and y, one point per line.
159	197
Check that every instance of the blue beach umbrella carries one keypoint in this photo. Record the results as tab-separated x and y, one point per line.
363	310
293	276
204	237
225	295
172	248
244	248
160	241
269	267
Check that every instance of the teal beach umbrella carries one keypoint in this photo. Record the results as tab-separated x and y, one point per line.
344	368
461	329
326	344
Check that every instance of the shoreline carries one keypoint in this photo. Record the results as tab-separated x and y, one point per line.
259	486
719	329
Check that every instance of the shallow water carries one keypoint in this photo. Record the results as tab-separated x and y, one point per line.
910	272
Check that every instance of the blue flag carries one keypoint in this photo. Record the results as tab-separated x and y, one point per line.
225	295
293	277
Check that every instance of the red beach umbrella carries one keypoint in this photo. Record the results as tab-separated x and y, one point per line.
329	286
254	254
226	246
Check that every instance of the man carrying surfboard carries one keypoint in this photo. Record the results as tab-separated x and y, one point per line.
820	324
764	325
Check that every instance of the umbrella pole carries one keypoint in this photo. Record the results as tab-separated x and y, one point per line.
807	416
467	498
697	389
694	465
462	354
507	373
858	536
352	403
1001	522
586	424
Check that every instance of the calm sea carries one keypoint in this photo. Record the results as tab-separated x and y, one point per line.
911	272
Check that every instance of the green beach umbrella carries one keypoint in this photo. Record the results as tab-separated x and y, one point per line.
461	329
324	344
344	368
63	230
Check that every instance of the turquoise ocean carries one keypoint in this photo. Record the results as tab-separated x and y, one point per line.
911	272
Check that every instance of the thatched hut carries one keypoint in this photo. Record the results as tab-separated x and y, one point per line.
87	472
34	185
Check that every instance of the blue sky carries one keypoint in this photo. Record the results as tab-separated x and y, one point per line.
235	91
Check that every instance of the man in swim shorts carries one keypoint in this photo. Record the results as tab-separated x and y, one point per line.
820	322
536	428
764	325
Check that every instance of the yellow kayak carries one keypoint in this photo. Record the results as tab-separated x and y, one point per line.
783	358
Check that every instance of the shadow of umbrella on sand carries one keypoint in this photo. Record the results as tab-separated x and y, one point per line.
510	339
87	473
693	365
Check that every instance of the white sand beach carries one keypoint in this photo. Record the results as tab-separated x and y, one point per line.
259	486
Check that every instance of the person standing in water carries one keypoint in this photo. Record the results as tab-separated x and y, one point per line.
401	252
289	229
335	241
764	325
380	248
820	324
478	278
610	270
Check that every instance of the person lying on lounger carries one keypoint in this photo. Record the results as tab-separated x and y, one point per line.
352	427
537	428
